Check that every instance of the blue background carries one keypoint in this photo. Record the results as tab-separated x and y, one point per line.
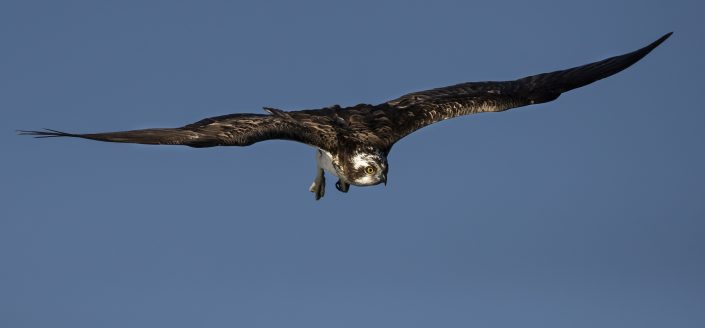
585	212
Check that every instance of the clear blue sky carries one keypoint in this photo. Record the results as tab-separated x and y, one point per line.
585	212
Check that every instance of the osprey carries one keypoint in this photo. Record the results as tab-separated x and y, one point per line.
353	142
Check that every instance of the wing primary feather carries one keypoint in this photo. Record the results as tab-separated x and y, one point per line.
419	109
310	127
554	83
147	136
47	133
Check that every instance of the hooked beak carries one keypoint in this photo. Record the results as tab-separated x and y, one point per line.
384	179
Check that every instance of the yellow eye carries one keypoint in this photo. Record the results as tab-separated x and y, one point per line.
370	170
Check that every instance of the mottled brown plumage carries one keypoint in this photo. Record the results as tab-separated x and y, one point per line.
354	142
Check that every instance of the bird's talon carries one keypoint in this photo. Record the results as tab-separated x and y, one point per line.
342	186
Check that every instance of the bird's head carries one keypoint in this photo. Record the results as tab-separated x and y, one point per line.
366	168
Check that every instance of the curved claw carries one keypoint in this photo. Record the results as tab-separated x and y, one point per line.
342	186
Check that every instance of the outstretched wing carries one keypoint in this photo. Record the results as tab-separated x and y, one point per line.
310	127
416	110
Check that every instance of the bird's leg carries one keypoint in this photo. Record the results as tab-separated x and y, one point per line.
342	186
318	187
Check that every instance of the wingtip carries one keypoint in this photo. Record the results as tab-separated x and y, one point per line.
638	54
46	133
661	39
26	132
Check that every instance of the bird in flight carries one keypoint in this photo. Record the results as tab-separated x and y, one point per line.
353	142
